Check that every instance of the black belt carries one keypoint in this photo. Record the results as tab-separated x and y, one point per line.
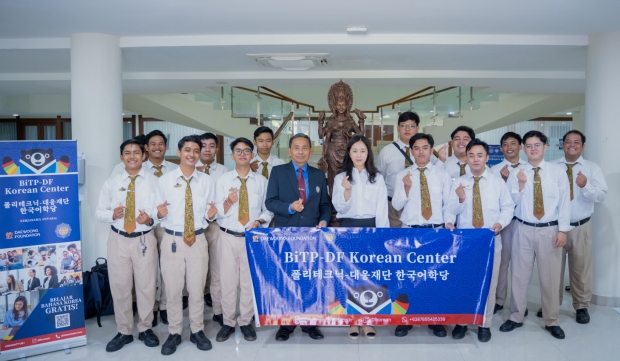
389	199
427	225
236	234
129	235
180	234
547	224
581	222
515	217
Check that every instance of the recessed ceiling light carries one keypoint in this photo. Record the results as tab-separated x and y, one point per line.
16	115
431	111
386	116
357	30
451	113
569	113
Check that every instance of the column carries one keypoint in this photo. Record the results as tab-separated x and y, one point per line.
602	130
96	124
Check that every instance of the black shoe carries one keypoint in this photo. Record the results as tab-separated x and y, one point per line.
438	330
484	334
149	338
163	314
567	288
118	342
497	308
219	319
170	346
283	334
201	341
185	302
208	300
314	333
224	333
539	313
248	332
583	316
459	332
154	323
402	330
526	313
509	326
556	332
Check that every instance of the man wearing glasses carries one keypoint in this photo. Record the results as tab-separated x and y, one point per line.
541	193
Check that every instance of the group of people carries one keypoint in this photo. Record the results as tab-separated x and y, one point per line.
539	210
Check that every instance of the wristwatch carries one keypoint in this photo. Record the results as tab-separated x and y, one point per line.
151	223
260	221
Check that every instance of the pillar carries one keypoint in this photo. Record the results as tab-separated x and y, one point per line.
602	130
96	124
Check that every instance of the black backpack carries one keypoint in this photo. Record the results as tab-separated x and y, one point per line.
97	295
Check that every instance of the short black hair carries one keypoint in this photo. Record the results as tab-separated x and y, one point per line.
72	245
475	142
575	131
514	135
535	133
419	136
409	116
132	141
245	141
190	138
140	138
156	133
261	130
34	271
299	135
208	135
463	128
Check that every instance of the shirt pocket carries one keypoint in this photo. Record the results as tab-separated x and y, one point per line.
255	200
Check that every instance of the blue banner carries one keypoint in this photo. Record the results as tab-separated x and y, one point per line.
370	276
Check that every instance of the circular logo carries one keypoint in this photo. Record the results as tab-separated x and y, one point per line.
63	230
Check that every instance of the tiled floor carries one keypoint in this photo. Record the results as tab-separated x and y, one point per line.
597	340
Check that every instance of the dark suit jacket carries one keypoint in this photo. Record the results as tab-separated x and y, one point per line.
282	190
53	282
33	283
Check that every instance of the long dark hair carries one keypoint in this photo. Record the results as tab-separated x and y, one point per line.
347	164
53	272
13	286
24	308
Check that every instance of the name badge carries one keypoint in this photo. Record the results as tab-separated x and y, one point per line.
122	189
177	185
318	190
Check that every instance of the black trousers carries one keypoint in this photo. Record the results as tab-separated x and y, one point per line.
355	222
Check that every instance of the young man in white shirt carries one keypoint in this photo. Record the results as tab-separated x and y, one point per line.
120	167
456	164
188	196
480	199
128	202
512	163
395	157
587	185
543	210
422	191
210	147
264	161
240	200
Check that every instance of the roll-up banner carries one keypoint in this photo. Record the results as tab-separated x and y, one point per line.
41	295
370	276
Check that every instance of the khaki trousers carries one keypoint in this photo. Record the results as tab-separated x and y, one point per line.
235	277
579	249
504	264
213	285
161	304
188	265
127	264
394	216
535	243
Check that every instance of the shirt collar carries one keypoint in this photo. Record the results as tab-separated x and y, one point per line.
520	161
542	165
260	160
305	167
579	160
401	144
484	175
179	174
250	174
125	175
430	165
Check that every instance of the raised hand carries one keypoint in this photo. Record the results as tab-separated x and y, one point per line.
212	211
119	212
254	165
442	153
143	218
521	177
407	181
162	210
233	196
505	173
460	191
359	114
345	183
581	180
298	205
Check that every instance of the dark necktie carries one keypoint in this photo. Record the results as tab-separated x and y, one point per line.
462	171
301	185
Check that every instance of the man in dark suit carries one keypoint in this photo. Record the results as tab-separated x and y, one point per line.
297	195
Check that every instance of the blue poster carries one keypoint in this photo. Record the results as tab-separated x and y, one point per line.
41	295
495	155
370	276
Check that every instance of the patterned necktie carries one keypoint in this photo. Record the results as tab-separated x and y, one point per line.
158	172
207	169
189	232
427	209
130	206
265	171
478	219
569	172
539	205
407	163
514	165
301	185
244	208
463	171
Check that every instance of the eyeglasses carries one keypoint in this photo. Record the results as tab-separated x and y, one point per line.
246	151
407	126
537	146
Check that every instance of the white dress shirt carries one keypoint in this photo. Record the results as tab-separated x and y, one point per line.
216	170
452	166
257	191
595	190
439	183
114	192
148	166
496	201
556	195
272	161
496	169
173	187
368	200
